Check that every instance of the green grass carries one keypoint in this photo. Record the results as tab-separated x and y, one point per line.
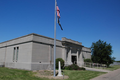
82	75
111	68
15	74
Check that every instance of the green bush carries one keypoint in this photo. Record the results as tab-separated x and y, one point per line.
117	61
61	61
82	68
74	67
87	60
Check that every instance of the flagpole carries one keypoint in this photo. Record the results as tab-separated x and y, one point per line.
55	42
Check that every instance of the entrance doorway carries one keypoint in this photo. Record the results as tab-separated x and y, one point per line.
74	59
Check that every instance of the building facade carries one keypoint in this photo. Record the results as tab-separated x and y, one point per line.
35	52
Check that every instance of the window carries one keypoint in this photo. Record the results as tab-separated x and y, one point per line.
15	54
14	50
67	56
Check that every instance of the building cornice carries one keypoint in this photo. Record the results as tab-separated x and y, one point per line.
30	35
65	40
45	37
29	42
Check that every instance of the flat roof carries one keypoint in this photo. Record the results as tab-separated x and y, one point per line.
29	35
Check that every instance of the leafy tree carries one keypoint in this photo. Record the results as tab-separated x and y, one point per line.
101	53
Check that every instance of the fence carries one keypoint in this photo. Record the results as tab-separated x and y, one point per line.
115	63
94	65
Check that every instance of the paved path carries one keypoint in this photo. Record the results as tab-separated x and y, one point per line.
113	75
94	69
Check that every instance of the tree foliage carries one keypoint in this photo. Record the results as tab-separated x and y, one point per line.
117	61
101	53
74	67
87	60
61	61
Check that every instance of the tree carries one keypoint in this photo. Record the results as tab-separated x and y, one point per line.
101	53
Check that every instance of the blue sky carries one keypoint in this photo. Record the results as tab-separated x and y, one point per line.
85	21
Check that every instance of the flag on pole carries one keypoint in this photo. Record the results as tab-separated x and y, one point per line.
58	12
58	16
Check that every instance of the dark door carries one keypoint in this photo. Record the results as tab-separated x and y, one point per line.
74	59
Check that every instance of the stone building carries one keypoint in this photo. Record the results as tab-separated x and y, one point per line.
35	52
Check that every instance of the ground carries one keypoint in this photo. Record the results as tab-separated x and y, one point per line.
113	75
16	74
48	74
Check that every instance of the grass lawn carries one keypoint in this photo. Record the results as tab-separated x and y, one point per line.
15	74
82	75
111	68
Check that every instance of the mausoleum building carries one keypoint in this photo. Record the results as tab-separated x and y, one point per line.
36	52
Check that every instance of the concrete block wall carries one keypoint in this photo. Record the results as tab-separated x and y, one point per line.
86	52
40	53
59	52
24	56
46	40
43	53
2	56
36	52
18	40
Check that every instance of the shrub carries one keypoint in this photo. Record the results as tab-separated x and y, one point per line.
87	60
74	67
117	61
61	61
82	68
